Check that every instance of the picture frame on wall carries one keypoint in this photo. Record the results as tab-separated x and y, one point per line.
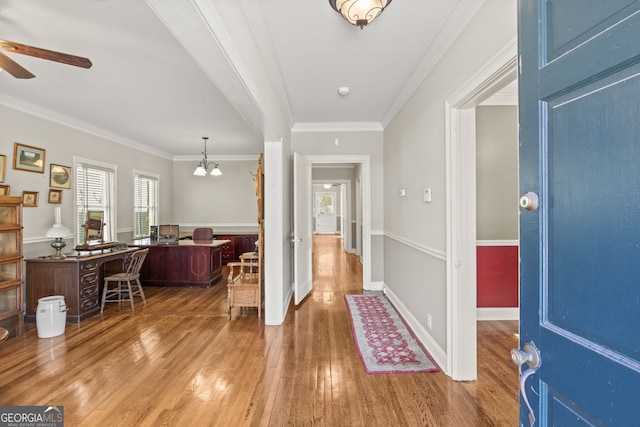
3	167
4	190
30	199
55	196
28	158
59	176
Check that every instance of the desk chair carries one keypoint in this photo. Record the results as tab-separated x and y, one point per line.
126	283
202	235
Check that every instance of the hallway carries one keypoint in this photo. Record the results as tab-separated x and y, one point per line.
179	360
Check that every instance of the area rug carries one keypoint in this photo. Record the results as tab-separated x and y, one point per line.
383	341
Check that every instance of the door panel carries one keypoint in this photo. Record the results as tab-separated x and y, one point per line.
302	236
580	251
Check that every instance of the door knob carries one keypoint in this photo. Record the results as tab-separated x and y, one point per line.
529	201
531	356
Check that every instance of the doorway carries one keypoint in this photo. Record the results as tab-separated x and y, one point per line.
358	209
461	209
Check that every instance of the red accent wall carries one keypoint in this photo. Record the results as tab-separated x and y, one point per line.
497	276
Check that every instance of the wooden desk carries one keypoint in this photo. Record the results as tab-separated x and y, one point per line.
183	264
79	278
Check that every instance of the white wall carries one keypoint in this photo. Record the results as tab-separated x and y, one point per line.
227	203
61	143
497	172
414	151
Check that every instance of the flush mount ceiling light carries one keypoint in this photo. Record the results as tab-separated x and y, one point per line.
203	167
359	12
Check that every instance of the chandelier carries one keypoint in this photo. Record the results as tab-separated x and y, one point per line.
203	167
359	12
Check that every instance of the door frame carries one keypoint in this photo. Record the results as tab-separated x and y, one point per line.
364	162
345	208
461	208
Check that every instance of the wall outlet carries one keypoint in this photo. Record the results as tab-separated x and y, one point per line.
429	320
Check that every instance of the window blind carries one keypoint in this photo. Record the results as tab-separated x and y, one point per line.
145	188
95	191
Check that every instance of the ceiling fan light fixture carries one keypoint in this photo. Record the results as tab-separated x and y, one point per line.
203	167
359	13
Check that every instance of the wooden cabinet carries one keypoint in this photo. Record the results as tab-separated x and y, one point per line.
79	278
238	244
245	244
11	316
228	249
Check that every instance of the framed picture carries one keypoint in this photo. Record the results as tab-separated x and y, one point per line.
60	176
3	166
4	190
55	196
30	199
27	158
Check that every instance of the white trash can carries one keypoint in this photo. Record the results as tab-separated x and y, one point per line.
51	316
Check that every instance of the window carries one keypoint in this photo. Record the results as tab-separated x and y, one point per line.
324	203
145	203
95	191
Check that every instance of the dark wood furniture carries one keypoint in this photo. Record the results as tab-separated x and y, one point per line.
11	317
183	264
78	278
238	244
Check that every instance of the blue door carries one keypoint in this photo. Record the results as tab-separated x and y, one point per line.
580	247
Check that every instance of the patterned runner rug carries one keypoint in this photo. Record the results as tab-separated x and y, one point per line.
385	344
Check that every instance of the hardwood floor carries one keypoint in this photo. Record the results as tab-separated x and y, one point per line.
179	361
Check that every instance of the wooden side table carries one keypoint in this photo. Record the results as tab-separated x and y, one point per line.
244	287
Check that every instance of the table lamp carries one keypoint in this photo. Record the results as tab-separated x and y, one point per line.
58	232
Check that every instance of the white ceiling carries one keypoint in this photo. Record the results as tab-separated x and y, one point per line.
149	90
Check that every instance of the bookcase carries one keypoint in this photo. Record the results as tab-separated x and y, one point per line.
11	315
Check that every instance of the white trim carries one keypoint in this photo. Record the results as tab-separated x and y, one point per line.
448	33
424	249
219	158
497	243
44	113
498	313
338	127
437	353
221	224
461	208
365	161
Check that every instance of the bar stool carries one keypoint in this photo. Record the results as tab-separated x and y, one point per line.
126	283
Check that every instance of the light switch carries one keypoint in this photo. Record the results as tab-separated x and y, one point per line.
402	192
426	194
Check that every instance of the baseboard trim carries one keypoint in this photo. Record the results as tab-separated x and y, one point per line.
437	353
498	313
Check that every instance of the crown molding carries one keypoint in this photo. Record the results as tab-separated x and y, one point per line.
337	127
448	33
52	116
218	158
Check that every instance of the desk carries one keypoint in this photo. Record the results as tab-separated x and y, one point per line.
183	264
79	278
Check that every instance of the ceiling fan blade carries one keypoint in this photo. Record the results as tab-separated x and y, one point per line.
13	68
50	55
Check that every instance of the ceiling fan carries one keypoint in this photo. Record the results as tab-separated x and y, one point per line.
19	72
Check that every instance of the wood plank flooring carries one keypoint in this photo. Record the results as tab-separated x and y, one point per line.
179	361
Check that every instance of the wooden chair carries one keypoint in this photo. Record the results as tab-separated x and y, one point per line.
244	286
4	334
126	283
